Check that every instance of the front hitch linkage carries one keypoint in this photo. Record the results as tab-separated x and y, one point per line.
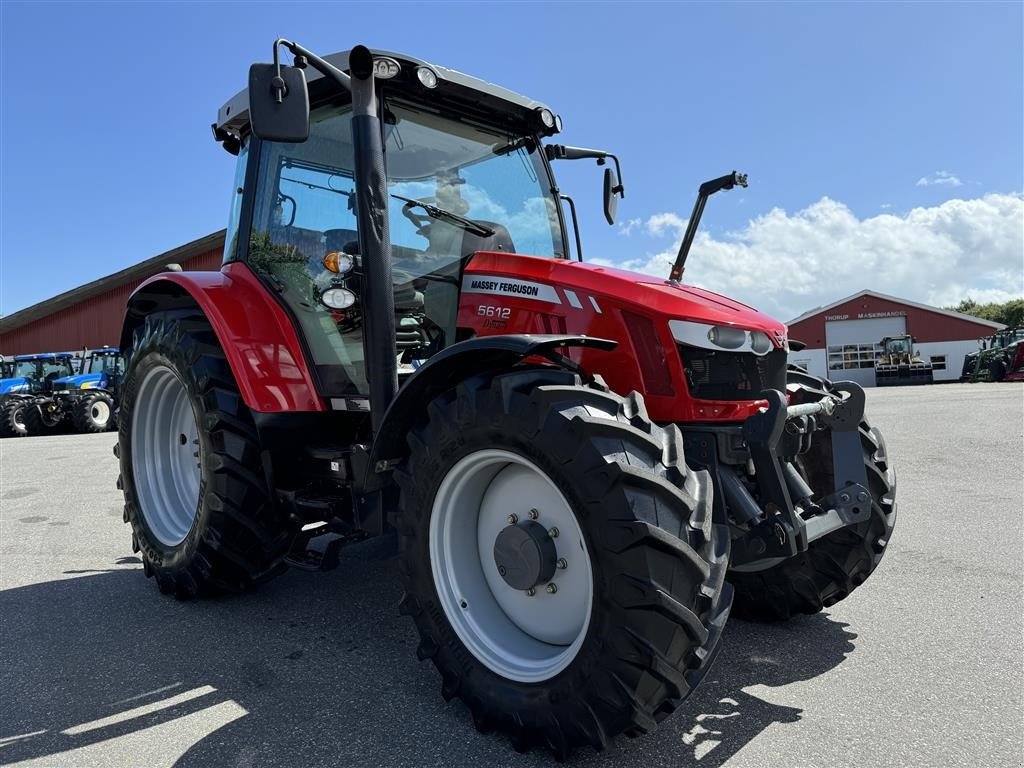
784	533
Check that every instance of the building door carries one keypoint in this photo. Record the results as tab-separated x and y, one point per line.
853	345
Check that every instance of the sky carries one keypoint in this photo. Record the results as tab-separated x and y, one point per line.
883	141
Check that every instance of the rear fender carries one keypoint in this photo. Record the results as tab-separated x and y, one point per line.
257	336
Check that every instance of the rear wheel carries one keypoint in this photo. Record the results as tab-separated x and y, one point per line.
559	558
12	419
93	413
836	564
195	492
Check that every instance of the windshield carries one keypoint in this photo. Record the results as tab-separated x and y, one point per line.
455	189
104	364
42	369
899	346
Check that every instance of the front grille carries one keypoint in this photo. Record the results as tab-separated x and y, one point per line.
713	375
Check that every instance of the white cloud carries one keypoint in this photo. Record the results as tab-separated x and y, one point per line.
660	223
626	228
785	264
940	179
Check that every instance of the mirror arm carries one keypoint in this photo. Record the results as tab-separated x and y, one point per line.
320	65
562	152
705	191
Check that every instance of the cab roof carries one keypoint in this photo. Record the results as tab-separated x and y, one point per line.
454	89
45	356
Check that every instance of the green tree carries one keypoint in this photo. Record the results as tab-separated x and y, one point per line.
1009	313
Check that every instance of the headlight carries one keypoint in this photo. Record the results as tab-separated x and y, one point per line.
337	298
726	337
720	337
760	343
427	77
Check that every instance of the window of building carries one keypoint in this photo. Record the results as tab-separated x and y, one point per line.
938	362
849	356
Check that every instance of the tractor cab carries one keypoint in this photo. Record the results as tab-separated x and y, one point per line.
101	369
465	173
30	373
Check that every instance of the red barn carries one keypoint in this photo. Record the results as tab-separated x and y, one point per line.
91	315
843	338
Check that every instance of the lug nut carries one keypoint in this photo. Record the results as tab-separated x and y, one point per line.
844	497
561	562
531	592
534	514
862	496
553	533
552	588
513	519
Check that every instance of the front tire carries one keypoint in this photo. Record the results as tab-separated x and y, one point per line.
836	564
44	418
195	492
93	413
997	369
639	600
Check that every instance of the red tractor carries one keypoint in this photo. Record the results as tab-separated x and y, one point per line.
585	467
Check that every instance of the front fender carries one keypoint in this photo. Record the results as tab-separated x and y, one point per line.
450	366
257	336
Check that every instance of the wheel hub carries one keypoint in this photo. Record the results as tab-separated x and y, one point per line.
528	623
525	555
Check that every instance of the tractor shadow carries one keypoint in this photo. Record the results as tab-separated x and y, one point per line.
311	670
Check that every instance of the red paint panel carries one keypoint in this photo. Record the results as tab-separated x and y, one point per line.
924	325
590	300
258	338
92	323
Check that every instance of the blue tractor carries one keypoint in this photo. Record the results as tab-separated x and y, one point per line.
86	400
29	377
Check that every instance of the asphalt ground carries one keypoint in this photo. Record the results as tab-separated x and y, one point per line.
920	666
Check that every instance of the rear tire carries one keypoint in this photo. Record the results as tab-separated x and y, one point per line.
93	413
643	528
836	564
12	419
203	524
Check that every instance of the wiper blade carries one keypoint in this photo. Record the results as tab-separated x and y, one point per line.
452	218
311	185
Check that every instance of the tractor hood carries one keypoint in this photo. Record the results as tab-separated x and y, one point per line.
81	381
636	292
8	386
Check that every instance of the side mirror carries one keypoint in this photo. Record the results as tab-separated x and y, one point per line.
611	200
278	104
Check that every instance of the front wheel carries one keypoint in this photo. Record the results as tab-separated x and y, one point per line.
93	413
560	560
997	369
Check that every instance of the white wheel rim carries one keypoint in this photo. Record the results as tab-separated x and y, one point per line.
19	418
165	456
99	412
518	636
